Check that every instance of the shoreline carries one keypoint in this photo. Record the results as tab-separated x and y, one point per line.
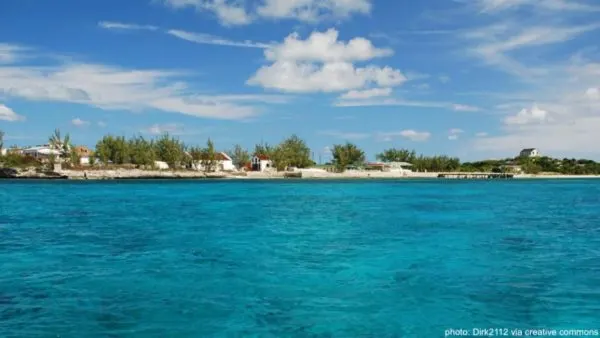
303	174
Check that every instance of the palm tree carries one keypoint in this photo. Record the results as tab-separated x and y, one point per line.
56	142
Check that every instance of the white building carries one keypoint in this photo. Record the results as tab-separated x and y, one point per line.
529	152
261	163
3	152
84	154
402	167
40	152
222	163
161	165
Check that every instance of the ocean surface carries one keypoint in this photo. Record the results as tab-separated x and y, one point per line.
297	258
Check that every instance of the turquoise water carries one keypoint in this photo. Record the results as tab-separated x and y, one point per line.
297	258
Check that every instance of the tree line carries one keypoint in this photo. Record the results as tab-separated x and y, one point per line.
143	152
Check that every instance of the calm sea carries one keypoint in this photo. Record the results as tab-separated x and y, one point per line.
297	258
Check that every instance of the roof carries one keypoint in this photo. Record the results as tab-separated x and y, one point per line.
41	150
82	150
528	149
262	157
218	157
222	157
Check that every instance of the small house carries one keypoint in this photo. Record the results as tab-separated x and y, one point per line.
84	154
222	162
377	166
529	152
402	167
261	163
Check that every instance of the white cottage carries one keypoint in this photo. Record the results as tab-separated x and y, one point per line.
261	163
223	163
529	152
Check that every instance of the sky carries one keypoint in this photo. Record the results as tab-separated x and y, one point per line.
478	79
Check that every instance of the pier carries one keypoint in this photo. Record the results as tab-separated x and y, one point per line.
476	176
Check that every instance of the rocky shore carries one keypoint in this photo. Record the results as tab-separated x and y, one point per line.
138	174
30	173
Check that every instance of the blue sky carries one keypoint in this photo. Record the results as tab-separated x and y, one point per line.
476	79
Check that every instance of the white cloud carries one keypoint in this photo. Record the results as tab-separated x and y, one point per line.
324	47
403	103
493	43
593	93
242	12
213	40
464	107
564	121
413	135
580	136
125	26
10	53
322	64
77	122
528	116
345	135
114	88
366	94
409	134
312	10
229	12
481	134
159	129
330	77
7	114
102	124
554	5
538	52
444	79
454	134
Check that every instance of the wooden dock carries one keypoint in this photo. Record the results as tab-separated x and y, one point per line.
476	176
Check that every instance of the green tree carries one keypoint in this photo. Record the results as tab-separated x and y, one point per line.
279	158
239	156
531	167
92	159
74	157
63	145
113	149
263	149
347	154
397	155
293	152
170	150
209	157
141	151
